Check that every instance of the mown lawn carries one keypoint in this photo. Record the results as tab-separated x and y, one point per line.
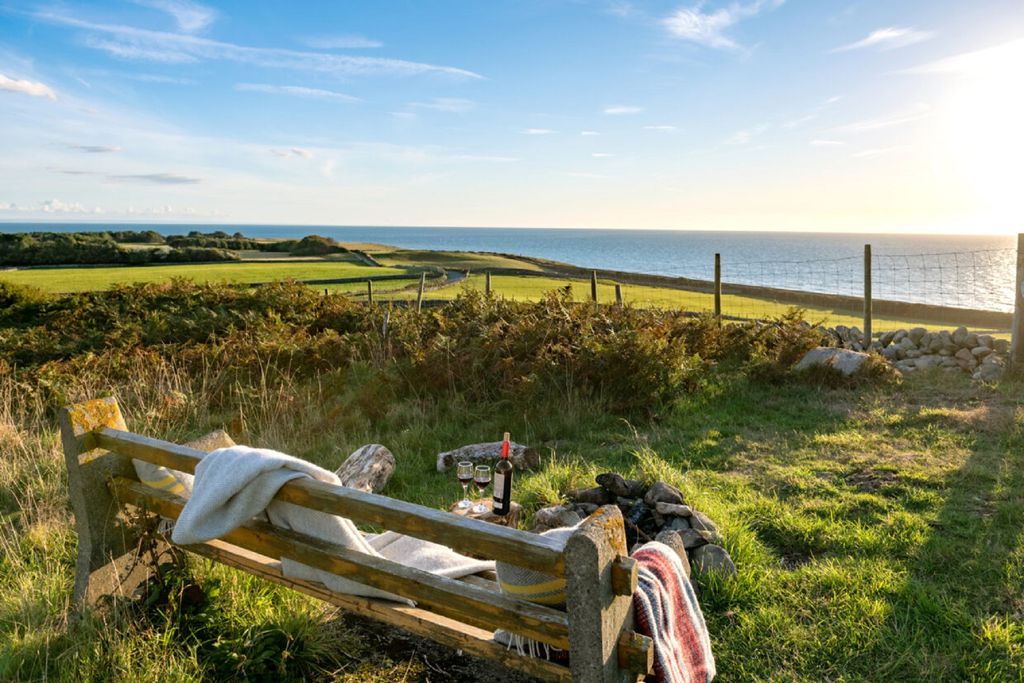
452	259
89	279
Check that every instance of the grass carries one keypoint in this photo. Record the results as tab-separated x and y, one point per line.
89	279
452	259
876	531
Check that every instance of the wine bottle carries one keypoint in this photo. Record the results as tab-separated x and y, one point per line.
503	481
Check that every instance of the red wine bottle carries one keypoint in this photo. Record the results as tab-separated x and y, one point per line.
503	481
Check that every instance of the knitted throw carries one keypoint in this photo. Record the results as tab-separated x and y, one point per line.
666	610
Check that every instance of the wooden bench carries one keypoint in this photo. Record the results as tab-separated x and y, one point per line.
116	517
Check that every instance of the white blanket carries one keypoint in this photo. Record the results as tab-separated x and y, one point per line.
233	485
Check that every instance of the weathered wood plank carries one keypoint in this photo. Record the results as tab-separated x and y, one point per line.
452	598
625	576
466	535
470	639
636	653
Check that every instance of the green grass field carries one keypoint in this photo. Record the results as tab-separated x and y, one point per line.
88	279
461	260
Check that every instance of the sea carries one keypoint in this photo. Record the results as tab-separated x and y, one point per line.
970	271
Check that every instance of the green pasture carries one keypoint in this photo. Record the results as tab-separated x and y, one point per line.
461	260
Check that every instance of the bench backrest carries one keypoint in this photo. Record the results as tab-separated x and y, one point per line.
600	578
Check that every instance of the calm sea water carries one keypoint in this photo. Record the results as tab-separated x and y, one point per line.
957	270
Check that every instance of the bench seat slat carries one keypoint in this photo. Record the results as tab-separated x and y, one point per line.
450	597
470	536
455	634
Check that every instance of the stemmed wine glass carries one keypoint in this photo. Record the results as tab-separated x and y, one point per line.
482	478
465	475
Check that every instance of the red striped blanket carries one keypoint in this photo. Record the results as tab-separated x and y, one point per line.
666	610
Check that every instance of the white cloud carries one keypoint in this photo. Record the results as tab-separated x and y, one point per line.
601	155
33	88
622	109
342	42
812	114
537	131
742	137
888	38
662	129
446	104
404	115
916	113
95	149
979	62
189	16
708	29
585	174
137	43
827	143
485	158
292	152
589	132
297	91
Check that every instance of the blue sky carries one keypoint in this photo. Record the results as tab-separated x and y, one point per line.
756	114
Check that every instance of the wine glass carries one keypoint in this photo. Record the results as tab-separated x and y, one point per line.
465	475
482	478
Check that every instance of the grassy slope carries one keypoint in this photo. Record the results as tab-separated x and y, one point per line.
85	279
452	259
877	532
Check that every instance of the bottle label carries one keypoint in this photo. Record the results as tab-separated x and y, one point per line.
499	485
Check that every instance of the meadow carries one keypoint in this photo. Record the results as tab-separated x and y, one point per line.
875	525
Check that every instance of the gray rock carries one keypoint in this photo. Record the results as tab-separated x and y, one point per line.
986	340
585	509
965	354
980	351
368	468
678	523
694	539
660	492
971	341
899	336
891	352
907	344
670	510
929	361
915	334
960	335
989	372
843	360
673	540
1001	345
905	366
950	362
555	516
713	558
701	522
945	351
522	457
614	483
887	338
914	354
597	496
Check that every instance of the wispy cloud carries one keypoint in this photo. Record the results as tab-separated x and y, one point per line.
708	29
189	16
136	43
601	155
888	38
589	132
622	109
157	178
537	131
297	91
292	152
446	104
489	158
342	42
827	143
33	88
95	149
916	113
812	114
986	61
662	129
742	137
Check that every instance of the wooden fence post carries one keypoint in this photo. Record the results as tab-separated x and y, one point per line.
1017	335
867	296
718	287
111	547
593	288
487	283
618	295
419	293
598	613
369	292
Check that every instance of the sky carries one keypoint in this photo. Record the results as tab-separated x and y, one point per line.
808	115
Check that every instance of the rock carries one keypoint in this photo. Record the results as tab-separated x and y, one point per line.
522	457
907	344
915	334
713	558
701	522
988	372
678	524
887	338
965	354
597	496
959	335
914	354
673	540
986	340
856	334
212	441
980	351
891	352
367	469
971	341
950	362
925	342
614	483
843	360
929	361
905	366
555	516
694	539
1001	346
637	512
660	492
671	510
899	336
585	509
945	352
625	502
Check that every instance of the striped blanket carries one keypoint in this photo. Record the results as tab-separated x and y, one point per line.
666	610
